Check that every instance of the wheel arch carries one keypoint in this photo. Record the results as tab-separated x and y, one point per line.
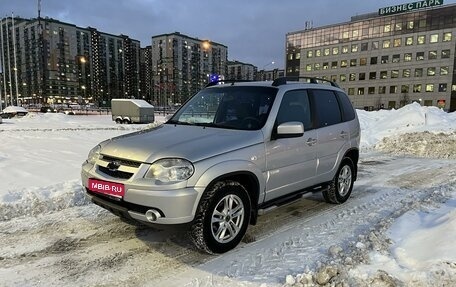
353	154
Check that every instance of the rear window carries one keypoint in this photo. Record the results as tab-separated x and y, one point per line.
327	107
348	113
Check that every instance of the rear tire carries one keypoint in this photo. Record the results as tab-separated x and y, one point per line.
341	186
118	121
126	121
222	217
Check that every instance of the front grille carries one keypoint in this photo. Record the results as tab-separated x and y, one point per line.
115	173
121	161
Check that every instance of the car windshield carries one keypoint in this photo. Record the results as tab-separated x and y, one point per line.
232	107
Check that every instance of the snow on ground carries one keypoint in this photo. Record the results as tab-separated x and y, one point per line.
398	228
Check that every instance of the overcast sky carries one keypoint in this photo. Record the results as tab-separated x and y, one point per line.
253	30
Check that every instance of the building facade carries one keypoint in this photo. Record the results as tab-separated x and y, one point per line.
51	62
145	75
182	65
269	75
383	61
240	71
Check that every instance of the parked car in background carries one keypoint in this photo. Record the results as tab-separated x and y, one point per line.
13	111
232	152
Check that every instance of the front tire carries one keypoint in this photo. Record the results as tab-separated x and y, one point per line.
222	217
341	186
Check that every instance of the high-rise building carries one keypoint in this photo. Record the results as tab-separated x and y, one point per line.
182	65
145	75
47	61
385	59
240	71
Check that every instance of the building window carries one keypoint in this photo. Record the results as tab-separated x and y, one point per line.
345	35
353	63
290	56
334	78
422	23
431	71
318	53
372	75
393	89
326	51
447	37
394	74
364	46
444	70
386	44
317	66
407	57
355	34
429	88
434	38
387	28
325	65
397	42
373	60
343	78
421	40
420	56
383	74
375	45
398	26
428	103
409	41
417	88
354	48
309	54
445	54
362	76
334	65
352	77
371	90
298	56
343	63
418	72
410	25
382	90
351	91
385	59
404	88
432	55
363	61
360	91
309	67
335	50
406	73
442	88
396	58
344	49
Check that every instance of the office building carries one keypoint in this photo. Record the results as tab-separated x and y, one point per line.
401	54
240	71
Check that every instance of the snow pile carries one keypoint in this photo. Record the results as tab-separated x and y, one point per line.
412	118
37	200
424	144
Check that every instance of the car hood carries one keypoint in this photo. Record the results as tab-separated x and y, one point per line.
194	143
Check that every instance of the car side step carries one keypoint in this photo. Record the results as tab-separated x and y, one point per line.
288	200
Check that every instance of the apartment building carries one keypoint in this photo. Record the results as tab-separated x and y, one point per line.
182	65
386	59
46	61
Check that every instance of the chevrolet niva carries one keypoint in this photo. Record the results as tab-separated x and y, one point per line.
230	153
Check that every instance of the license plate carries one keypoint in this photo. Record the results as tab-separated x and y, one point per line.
106	187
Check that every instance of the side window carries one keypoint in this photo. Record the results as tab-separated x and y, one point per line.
295	107
348	113
326	107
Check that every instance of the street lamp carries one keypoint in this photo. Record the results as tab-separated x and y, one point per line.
268	64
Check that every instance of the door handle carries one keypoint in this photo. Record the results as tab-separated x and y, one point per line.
343	134
311	142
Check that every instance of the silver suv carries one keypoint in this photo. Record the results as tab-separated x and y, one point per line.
230	153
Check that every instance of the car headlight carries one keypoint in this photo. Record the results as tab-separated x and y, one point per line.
170	170
94	154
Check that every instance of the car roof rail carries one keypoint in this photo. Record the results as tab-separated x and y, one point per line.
220	82
313	80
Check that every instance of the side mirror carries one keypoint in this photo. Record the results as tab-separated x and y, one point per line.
290	130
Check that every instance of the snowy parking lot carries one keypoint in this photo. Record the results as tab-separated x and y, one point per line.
398	227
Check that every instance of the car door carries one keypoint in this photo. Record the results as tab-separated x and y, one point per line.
291	162
332	132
